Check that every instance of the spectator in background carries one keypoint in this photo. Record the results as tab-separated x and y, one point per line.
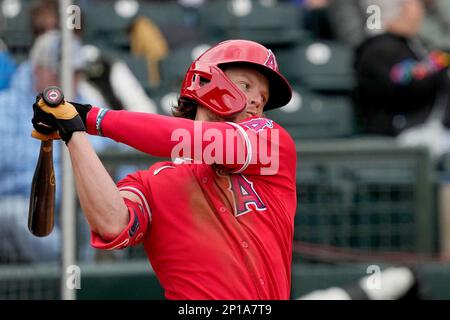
348	21
400	81
147	40
7	66
7	63
109	83
20	154
44	16
436	25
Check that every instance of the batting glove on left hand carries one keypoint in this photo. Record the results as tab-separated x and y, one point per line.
66	118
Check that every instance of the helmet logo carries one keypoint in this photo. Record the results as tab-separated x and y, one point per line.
271	62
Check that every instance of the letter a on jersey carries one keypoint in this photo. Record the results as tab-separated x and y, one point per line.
245	195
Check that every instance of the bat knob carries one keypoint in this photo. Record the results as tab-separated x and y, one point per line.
53	96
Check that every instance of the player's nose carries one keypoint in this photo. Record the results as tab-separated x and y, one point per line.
256	101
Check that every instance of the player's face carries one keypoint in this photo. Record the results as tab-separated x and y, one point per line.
255	87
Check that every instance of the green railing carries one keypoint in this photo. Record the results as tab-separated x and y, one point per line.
366	194
135	280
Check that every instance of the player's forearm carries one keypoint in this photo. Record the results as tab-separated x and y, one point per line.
99	197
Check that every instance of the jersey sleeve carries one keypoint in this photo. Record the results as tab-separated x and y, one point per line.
254	146
140	217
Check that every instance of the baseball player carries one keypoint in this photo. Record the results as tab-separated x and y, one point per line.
217	223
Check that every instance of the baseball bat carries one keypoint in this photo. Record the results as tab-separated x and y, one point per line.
41	213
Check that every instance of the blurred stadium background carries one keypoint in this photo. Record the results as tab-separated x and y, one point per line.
362	200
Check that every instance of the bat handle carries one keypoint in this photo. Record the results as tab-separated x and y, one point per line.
47	146
42	198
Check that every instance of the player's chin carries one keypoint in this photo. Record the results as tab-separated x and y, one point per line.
243	115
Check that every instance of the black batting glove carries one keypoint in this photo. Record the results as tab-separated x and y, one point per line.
66	118
43	123
82	110
64	115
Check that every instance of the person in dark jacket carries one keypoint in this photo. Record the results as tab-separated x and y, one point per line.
400	80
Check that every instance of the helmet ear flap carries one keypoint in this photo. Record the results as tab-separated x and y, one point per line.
219	94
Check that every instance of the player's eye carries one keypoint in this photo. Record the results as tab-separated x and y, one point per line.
244	86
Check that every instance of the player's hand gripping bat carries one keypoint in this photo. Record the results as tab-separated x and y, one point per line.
42	199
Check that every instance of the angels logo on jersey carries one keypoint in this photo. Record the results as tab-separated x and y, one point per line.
271	61
258	124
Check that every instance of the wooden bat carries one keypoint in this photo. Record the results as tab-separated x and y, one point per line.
41	212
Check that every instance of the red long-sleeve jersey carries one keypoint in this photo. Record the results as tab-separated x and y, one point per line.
218	226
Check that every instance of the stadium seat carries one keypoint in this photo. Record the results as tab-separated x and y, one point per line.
274	25
174	66
15	26
445	165
105	27
312	115
108	22
323	66
164	98
137	65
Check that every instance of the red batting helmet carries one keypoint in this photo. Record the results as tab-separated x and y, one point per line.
220	94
